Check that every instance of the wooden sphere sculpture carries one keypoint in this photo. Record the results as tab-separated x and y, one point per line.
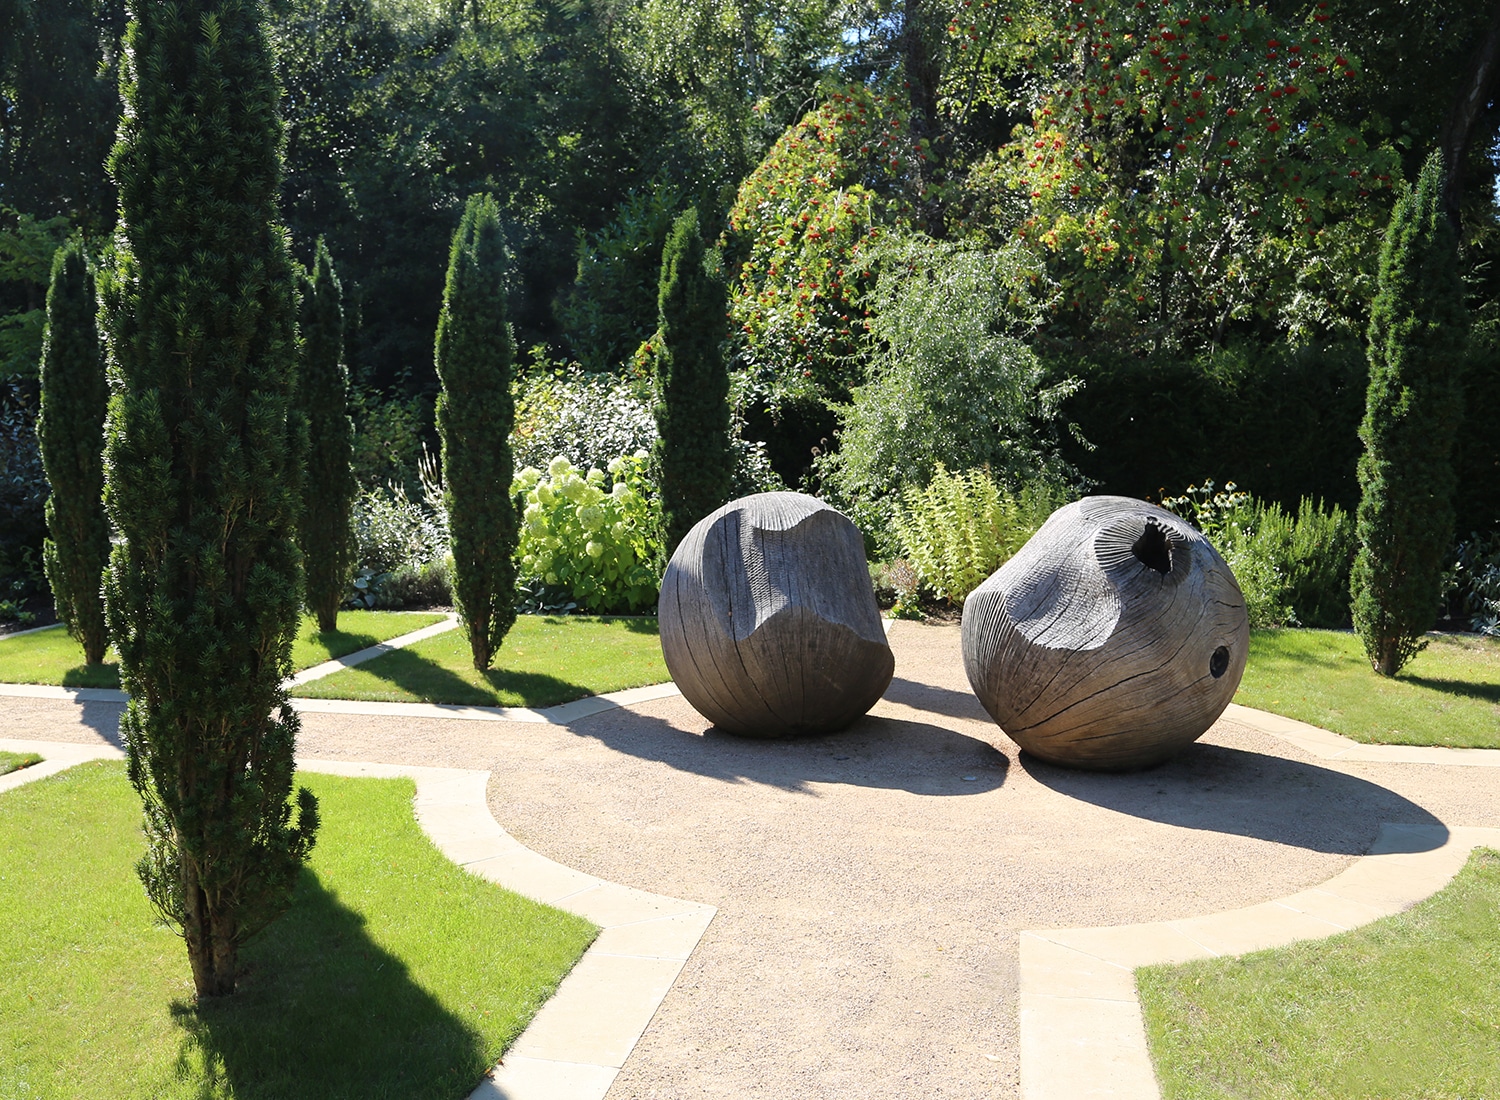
1115	637
769	624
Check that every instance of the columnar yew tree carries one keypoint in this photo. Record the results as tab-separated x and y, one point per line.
70	429
692	385
328	493
475	412
202	475
1418	338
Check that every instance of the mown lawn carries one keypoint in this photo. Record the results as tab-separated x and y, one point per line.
394	974
544	660
15	761
51	657
1404	1007
1448	695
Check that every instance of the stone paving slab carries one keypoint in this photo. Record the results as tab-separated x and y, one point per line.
1082	1033
56	756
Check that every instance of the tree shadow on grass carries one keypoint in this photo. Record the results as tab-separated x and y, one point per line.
1488	693
340	643
430	682
873	752
1227	790
323	1011
106	676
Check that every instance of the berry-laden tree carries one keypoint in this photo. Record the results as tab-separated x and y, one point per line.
324	533
692	385
203	452
70	429
1418	340
475	413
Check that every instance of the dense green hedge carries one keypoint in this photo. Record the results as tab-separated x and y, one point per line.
1282	423
1279	422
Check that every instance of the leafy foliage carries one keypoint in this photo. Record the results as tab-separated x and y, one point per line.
202	472
70	430
692	386
599	544
1472	584
1293	568
801	229
1418	340
1188	165
23	489
952	384
323	531
962	527
475	412
26	251
611	309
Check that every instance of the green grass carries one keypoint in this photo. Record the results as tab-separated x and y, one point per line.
51	657
545	660
15	761
1448	695
395	974
1404	1007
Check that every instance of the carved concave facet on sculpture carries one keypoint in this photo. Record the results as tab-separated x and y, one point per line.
769	624
1115	637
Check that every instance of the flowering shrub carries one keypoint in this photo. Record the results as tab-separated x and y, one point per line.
594	534
1181	166
589	419
800	230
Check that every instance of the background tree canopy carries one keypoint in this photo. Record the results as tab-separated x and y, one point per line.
1195	189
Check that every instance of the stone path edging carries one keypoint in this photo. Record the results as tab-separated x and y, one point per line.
1328	745
359	657
575	1045
1081	1031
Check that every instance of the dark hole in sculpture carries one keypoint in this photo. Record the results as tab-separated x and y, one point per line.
1218	664
1152	548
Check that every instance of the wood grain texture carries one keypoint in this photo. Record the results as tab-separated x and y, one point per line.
1116	636
769	624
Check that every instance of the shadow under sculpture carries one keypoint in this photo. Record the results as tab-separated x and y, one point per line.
769	624
1114	638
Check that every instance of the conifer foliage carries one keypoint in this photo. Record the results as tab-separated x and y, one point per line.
324	532
1413	409
70	429
692	385
202	475
475	412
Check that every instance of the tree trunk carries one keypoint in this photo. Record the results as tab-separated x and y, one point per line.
213	950
1458	130
920	52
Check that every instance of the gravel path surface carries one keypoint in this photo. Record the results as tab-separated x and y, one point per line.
871	884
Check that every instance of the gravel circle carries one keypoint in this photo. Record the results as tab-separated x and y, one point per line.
871	884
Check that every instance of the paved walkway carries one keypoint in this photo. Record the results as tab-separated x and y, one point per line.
873	886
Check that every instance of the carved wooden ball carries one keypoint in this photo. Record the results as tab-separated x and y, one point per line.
769	624
1116	636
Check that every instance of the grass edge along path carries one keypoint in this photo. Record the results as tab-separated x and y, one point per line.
1449	695
1403	1006
545	660
394	974
15	761
51	657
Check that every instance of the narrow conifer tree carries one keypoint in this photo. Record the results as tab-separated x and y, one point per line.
1418	339
475	412
70	429
692	385
202	475
324	532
